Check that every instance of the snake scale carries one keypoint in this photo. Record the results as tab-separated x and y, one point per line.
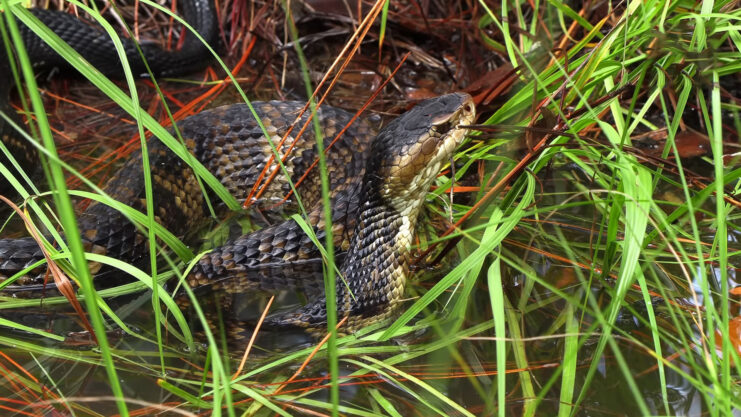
377	182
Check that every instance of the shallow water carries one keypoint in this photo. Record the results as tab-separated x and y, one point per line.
464	371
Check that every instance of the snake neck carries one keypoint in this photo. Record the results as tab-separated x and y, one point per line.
376	265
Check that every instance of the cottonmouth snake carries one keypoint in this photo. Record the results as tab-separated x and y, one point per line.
377	187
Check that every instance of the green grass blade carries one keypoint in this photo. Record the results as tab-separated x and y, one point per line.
64	204
497	306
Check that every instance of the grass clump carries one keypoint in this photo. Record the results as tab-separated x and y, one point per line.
588	252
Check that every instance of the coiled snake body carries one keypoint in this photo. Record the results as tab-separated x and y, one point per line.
377	187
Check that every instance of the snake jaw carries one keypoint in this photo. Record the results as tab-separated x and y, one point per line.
416	168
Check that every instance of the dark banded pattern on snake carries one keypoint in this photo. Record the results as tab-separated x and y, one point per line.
376	201
404	160
228	142
376	197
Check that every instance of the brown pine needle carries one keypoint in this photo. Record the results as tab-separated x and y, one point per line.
252	338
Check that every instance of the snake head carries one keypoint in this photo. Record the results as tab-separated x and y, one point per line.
410	151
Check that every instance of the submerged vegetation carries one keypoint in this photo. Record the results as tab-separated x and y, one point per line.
583	262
